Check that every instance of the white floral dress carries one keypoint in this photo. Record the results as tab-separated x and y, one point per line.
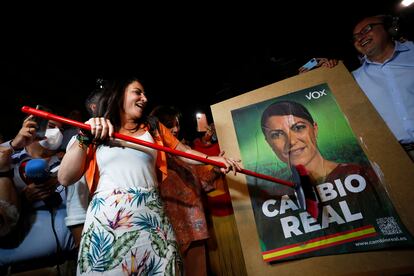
126	231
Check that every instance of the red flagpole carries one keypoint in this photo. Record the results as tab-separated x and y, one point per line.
50	116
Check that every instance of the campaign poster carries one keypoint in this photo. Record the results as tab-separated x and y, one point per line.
355	212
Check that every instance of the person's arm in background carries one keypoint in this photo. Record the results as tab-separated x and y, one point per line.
171	141
9	200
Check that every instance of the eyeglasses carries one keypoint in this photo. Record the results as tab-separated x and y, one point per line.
364	31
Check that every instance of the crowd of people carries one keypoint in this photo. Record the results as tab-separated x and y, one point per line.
119	208
34	211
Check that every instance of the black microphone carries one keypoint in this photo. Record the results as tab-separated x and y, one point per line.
37	171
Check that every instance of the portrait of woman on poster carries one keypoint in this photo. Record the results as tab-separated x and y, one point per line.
291	132
350	194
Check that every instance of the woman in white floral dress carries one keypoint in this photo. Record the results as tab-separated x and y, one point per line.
126	231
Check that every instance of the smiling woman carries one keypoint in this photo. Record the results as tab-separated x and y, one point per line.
125	227
291	132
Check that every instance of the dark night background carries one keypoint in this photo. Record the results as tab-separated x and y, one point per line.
190	58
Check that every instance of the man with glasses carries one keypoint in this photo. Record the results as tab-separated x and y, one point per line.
387	76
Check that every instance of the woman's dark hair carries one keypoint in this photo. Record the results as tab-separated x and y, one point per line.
93	98
166	114
111	103
282	108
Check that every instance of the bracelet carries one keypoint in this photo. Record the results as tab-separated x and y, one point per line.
14	149
84	140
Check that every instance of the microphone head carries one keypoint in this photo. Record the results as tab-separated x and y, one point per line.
37	170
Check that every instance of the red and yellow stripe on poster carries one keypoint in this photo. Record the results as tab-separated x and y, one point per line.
319	243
